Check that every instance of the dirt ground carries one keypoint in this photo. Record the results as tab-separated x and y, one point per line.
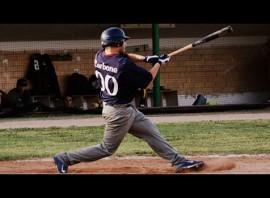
214	164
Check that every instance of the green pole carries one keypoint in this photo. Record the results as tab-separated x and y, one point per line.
156	87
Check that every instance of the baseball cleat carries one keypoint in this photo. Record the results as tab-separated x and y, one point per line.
188	164
61	166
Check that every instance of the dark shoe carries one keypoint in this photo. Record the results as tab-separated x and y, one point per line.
188	164
61	166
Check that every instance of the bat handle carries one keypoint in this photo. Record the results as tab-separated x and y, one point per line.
180	50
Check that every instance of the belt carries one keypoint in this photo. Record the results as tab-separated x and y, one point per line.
117	105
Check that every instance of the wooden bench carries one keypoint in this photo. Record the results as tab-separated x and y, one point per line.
86	102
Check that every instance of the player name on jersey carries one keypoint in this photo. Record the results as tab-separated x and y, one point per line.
106	67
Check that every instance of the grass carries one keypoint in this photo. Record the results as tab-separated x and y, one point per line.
213	137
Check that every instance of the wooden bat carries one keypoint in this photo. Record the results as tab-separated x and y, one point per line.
205	39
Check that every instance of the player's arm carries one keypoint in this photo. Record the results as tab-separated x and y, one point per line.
140	58
154	70
136	57
163	59
140	76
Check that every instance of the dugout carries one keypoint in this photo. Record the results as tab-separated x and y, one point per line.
232	70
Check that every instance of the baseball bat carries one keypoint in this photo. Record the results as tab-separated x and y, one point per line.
205	39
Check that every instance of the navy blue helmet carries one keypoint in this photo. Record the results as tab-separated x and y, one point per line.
113	36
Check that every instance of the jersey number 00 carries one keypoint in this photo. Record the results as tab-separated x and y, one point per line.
105	83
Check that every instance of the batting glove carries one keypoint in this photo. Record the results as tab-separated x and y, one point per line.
163	59
151	59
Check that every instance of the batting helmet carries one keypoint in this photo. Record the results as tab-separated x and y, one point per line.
113	36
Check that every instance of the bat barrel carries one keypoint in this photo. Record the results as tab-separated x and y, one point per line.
225	30
205	39
229	28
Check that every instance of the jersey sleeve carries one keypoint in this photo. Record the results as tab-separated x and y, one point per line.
138	76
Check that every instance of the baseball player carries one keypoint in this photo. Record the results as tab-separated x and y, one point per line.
120	77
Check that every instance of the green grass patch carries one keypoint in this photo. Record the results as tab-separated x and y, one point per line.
213	137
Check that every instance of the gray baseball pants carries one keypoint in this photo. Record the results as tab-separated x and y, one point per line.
120	120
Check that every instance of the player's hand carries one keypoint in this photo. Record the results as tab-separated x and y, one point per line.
151	59
163	59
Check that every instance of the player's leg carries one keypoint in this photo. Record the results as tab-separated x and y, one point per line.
118	123
143	128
